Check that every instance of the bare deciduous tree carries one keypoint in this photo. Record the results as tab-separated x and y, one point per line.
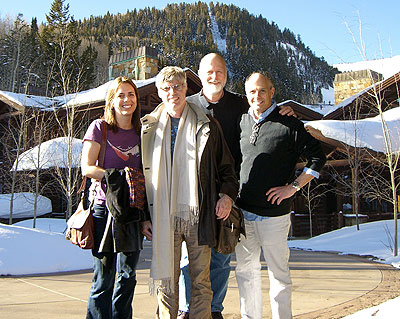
40	131
313	193
14	144
390	160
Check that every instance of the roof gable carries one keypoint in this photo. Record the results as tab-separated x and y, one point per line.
302	111
387	91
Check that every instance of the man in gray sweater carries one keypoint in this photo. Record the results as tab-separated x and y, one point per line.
271	145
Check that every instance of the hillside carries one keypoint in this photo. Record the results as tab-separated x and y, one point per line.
183	33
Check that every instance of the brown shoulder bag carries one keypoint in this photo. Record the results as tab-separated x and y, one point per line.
80	229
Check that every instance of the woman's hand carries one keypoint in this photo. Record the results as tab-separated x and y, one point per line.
147	229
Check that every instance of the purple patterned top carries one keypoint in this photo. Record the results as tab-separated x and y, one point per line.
122	150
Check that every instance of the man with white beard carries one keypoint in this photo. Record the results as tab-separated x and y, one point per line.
227	108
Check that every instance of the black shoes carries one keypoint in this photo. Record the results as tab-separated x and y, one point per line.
185	315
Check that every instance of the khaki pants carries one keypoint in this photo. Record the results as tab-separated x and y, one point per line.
270	235
199	270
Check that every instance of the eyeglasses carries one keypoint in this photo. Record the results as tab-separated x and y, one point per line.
254	133
176	87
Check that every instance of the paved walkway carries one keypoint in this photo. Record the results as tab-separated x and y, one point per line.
325	285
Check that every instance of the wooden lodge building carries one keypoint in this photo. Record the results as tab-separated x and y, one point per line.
89	105
335	209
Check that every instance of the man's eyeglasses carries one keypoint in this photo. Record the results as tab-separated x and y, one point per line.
254	133
176	87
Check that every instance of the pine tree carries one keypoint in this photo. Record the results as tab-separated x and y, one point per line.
36	76
60	45
14	56
88	59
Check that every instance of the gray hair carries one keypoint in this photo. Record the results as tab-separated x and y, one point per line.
262	73
169	74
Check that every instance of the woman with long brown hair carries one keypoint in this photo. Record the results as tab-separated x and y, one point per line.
109	299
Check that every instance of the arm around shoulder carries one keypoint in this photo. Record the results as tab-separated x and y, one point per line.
311	149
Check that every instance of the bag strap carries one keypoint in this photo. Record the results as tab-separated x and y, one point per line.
102	153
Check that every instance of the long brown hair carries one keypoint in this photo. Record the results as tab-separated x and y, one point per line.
109	112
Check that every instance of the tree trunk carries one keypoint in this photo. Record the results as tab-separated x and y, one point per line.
355	197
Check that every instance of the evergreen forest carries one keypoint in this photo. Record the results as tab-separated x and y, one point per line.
63	55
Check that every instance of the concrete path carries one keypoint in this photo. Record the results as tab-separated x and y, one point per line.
325	285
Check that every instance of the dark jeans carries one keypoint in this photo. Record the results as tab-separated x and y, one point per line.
106	299
219	276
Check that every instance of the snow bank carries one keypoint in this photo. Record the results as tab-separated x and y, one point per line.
32	251
373	239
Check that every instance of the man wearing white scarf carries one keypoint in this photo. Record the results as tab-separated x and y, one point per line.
184	154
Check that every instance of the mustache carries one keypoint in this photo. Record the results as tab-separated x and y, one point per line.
214	82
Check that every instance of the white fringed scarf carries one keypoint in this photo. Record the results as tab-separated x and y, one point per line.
175	189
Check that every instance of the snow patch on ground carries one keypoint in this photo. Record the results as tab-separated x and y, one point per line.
328	95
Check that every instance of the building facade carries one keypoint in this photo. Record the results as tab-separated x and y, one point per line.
349	83
137	64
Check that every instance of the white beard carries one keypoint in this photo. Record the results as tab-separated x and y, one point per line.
213	89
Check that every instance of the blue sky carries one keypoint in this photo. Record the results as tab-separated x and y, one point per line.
321	24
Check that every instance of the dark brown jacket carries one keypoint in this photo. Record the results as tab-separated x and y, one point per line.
216	163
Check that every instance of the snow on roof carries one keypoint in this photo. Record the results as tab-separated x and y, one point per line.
74	99
319	108
52	153
142	83
363	133
23	205
87	97
350	99
387	67
99	94
36	101
90	96
322	108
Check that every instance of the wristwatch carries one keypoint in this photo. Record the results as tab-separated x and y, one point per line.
296	185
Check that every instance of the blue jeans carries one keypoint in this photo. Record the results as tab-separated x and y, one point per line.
109	299
219	276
